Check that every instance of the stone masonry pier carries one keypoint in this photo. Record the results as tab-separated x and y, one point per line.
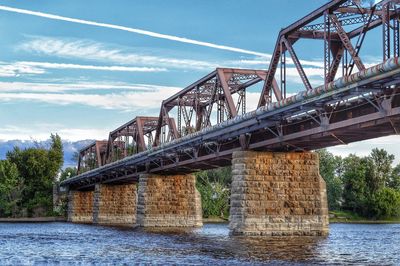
277	194
170	201
115	204
80	206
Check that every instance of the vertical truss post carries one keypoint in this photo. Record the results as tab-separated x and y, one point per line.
283	70
396	45
243	101
386	31
220	105
327	47
179	116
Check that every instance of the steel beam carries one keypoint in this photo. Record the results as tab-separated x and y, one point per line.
297	63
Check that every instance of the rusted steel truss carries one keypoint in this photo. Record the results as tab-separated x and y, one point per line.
133	137
342	26
219	96
92	156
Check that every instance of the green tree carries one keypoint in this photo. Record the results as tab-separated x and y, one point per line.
330	166
222	175
385	203
379	169
68	173
11	185
38	167
394	179
213	186
214	196
355	189
55	154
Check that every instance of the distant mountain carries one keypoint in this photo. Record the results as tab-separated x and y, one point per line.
69	148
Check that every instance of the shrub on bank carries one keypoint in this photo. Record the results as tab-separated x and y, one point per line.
385	203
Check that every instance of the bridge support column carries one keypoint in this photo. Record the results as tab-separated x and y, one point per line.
115	204
168	200
277	194
80	206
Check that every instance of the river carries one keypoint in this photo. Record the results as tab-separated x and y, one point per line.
65	243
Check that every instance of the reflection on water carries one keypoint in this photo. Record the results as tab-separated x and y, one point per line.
50	243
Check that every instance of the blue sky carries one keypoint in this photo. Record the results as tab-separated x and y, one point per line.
82	81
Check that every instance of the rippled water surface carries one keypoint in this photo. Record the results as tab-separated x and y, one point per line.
64	243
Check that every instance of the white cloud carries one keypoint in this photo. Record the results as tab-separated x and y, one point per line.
363	148
79	86
17	69
42	132
48	65
127	101
133	30
88	50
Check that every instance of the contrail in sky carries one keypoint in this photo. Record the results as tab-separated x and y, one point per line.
134	30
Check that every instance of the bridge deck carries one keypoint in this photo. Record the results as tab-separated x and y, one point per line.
362	106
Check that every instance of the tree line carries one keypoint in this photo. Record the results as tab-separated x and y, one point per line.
27	177
365	185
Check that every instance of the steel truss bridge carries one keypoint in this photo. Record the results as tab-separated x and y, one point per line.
201	126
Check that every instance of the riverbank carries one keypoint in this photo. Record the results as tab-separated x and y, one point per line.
348	217
32	220
334	217
215	219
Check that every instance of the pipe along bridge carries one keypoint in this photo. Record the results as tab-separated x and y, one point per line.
142	175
